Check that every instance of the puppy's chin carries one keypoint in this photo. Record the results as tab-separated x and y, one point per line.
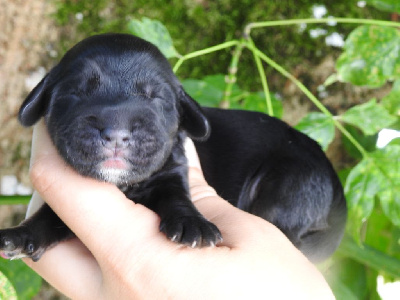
116	176
120	173
122	168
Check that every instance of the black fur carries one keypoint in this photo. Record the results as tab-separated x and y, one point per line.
116	112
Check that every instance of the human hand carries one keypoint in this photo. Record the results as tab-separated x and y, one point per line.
121	254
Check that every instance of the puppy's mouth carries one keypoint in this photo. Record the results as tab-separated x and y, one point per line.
117	162
114	163
114	170
126	166
114	159
114	167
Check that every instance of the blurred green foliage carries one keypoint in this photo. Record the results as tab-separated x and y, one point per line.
7	290
371	56
386	5
195	25
25	282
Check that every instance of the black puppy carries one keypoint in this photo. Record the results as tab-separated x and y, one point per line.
116	112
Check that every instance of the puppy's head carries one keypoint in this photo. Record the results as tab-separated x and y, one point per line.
114	108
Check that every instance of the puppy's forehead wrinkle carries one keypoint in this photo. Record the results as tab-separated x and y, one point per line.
92	65
111	71
117	86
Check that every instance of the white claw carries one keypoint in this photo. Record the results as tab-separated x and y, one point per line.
174	238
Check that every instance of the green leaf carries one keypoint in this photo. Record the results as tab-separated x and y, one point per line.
257	102
331	80
391	102
395	141
371	56
362	185
203	92
154	32
25	281
217	81
370	117
375	177
341	290
387	161
385	5
382	234
209	91
319	127
347	278
368	142
7	291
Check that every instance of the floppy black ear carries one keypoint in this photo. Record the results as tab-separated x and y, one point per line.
193	120
34	106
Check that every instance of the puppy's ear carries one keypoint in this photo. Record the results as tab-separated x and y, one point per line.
193	120
34	106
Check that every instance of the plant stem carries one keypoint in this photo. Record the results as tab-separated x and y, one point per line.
14	200
370	257
258	56
313	99
318	21
203	52
262	76
231	77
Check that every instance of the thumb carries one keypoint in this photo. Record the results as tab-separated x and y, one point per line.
199	188
238	228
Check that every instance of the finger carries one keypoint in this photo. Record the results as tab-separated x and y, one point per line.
78	276
198	185
238	228
191	154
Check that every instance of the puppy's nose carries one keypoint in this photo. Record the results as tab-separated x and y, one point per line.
116	138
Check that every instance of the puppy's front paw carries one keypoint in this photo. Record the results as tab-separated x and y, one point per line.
18	242
194	231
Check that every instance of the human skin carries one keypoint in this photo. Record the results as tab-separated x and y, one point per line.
119	252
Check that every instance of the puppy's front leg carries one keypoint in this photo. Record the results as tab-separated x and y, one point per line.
168	196
34	235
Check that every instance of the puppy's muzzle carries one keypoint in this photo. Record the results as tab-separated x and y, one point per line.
116	138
